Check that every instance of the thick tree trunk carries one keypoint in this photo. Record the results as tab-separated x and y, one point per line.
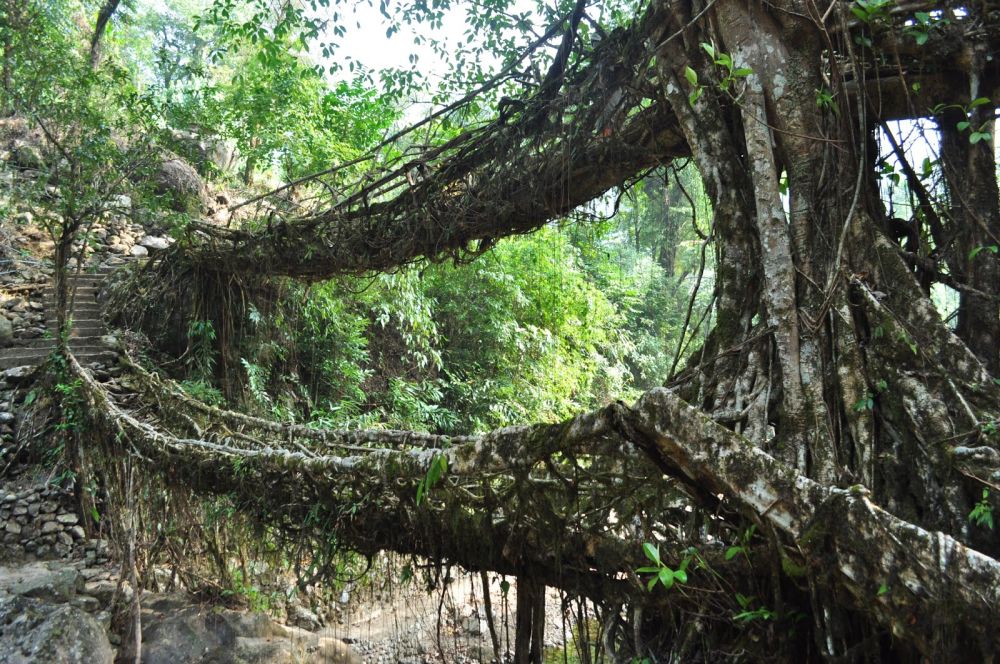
108	10
974	228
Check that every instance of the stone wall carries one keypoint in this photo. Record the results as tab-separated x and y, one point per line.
39	523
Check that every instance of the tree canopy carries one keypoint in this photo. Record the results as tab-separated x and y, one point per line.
808	472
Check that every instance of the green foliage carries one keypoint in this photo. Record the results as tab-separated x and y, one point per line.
663	573
922	25
435	471
743	546
749	614
977	132
871	11
200	355
982	512
526	337
730	72
203	391
825	100
990	248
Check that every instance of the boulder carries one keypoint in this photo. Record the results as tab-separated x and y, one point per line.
33	631
179	631
58	585
154	243
179	183
18	375
28	156
207	154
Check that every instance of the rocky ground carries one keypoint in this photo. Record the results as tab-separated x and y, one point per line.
57	589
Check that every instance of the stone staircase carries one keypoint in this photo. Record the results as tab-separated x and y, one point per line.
88	328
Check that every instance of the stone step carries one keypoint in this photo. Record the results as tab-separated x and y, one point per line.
81	317
82	307
50	293
34	359
86	341
78	312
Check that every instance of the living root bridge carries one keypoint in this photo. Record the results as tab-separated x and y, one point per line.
574	138
914	581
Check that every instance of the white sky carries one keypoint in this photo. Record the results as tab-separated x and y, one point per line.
366	42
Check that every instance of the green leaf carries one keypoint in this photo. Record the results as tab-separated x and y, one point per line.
694	96
652	582
742	72
691	76
992	248
666	577
648	570
921	38
977	136
882	589
733	551
963	125
979	101
681	576
652	552
708	48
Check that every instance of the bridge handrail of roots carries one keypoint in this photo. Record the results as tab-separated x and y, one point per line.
562	500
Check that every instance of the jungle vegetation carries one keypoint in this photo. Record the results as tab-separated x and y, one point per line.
691	309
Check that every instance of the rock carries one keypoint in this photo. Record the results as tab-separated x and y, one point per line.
120	203
102	591
154	243
138	251
205	153
87	603
68	519
111	341
77	532
302	617
18	375
59	585
33	631
51	527
179	183
28	156
13	528
6	332
177	630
